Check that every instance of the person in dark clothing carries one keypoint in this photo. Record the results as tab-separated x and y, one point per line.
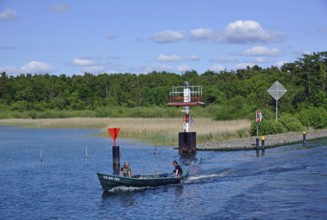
178	170
126	170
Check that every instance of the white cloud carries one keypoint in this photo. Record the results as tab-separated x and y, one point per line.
281	63
83	62
260	60
59	8
10	70
184	68
262	51
158	68
243	65
33	67
161	68
171	58
307	53
37	67
88	65
242	32
202	34
93	69
109	68
168	36
176	58
8	14
217	68
194	58
237	32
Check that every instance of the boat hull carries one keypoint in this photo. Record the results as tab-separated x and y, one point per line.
109	182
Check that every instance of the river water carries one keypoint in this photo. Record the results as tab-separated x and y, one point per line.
289	182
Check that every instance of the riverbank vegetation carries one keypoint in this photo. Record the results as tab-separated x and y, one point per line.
156	131
228	95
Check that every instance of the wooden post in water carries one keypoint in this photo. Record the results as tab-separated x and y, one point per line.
262	145
41	153
257	146
86	155
258	118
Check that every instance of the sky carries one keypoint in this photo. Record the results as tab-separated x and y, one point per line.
140	36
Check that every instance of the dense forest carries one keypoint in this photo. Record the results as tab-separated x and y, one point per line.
227	94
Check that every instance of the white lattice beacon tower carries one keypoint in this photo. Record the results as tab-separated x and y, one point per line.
186	96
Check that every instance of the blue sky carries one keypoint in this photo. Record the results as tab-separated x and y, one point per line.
140	36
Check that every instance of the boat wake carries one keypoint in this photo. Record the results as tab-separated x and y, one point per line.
119	189
195	178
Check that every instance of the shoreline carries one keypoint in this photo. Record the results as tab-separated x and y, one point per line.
154	134
270	141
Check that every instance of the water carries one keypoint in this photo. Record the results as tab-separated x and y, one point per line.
289	182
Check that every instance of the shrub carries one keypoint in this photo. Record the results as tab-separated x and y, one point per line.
313	117
32	114
223	113
291	123
87	114
267	127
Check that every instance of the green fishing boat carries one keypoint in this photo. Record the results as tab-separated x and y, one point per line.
109	182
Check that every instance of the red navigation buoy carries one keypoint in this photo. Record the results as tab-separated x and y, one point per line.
115	149
114	133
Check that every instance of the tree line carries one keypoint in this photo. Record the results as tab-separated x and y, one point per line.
228	94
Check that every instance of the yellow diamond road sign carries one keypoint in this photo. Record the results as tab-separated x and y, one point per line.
277	90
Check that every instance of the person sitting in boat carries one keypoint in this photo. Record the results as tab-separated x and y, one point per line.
178	170
126	170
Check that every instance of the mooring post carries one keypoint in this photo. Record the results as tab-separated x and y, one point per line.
86	154
263	145
116	159
257	146
304	137
41	154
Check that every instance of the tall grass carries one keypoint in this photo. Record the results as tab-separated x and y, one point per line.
156	131
110	112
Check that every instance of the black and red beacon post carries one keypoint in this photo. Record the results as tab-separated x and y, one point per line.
115	149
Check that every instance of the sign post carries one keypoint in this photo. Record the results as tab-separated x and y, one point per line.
258	118
277	90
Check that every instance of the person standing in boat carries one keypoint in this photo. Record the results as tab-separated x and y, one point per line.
178	170
126	170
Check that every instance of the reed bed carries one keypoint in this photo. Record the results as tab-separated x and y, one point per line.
156	131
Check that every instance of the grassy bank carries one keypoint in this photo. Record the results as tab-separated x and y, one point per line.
109	112
156	131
